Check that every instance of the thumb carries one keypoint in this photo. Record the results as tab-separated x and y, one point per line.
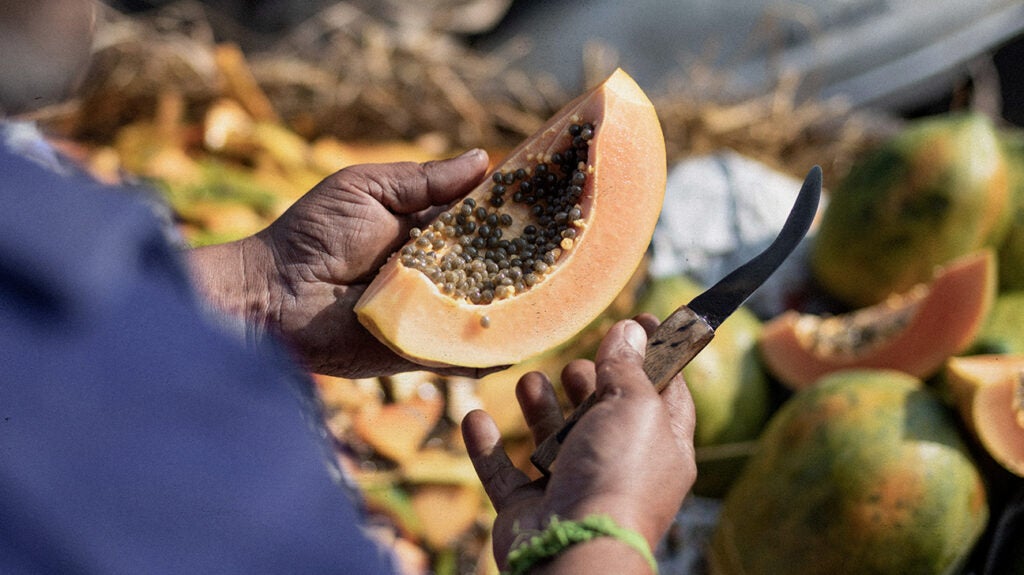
625	339
408	187
448	180
619	360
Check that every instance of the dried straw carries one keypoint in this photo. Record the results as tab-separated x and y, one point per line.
358	75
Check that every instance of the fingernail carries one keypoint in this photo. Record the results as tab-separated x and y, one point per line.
635	336
475	152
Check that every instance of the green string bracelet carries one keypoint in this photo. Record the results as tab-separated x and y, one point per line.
534	547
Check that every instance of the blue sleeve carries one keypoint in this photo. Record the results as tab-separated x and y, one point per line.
134	436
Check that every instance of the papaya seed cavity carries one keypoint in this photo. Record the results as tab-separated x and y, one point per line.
478	252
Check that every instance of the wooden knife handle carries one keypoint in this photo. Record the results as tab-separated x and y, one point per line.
676	341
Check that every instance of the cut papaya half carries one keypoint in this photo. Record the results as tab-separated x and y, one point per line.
914	332
987	391
539	249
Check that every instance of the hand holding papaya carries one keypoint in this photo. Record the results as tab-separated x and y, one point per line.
303	274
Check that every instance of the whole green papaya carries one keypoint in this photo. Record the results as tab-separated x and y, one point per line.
938	190
864	472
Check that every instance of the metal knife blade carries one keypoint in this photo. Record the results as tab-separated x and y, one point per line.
687	330
726	296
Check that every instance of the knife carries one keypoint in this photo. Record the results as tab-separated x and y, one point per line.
687	330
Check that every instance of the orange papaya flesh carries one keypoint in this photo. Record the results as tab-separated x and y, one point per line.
864	473
987	390
527	301
914	332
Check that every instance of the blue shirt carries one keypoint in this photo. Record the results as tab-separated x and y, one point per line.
135	435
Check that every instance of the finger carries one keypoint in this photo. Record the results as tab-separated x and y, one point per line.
471	372
682	419
579	380
648	321
681	410
540	406
448	180
499	477
387	363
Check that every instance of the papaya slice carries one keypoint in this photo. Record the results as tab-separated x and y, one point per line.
987	391
539	249
914	332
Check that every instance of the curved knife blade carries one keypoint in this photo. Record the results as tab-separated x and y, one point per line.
686	331
726	296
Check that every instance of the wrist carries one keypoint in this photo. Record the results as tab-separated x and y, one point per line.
594	539
602	555
635	517
234	279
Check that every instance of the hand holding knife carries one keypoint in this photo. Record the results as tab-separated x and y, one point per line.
684	333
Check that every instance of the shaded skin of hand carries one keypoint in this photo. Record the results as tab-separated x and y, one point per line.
304	273
630	457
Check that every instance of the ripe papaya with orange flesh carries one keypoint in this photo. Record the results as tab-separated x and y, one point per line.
914	332
864	473
539	249
937	191
988	390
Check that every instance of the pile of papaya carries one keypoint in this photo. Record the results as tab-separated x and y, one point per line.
899	430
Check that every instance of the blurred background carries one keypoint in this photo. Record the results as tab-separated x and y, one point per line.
770	79
898	55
